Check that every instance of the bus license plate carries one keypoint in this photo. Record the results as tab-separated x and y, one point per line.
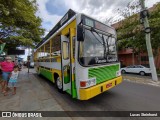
108	85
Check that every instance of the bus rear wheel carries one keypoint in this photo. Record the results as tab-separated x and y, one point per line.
59	84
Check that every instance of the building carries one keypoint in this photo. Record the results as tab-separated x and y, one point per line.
127	55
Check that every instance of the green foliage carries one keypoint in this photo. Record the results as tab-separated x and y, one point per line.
18	23
158	71
131	28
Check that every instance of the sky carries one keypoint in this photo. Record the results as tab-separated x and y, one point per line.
51	11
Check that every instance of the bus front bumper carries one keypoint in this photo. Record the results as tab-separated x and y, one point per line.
88	93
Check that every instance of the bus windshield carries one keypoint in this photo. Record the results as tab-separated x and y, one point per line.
97	49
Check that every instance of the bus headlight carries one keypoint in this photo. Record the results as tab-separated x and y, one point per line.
118	73
88	83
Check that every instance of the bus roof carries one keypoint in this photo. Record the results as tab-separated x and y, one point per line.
64	19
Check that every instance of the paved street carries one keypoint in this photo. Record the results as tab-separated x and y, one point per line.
35	93
128	96
87	48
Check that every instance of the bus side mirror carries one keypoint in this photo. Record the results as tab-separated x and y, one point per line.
80	33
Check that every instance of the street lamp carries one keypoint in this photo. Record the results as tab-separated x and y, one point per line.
147	30
144	13
141	21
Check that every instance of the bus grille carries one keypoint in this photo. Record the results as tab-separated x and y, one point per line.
103	74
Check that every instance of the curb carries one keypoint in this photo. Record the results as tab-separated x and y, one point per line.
141	81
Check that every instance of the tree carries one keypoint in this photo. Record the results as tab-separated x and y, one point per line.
131	9
18	23
130	28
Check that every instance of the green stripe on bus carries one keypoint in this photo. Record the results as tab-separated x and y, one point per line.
47	74
103	73
66	79
74	90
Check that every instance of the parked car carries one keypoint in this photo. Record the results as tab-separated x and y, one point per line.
31	64
142	70
25	63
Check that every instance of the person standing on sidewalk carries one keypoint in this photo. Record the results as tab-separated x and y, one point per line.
7	68
13	80
1	72
1	77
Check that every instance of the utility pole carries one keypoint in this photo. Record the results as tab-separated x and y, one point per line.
144	20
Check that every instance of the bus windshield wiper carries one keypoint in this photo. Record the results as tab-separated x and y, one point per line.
92	30
104	45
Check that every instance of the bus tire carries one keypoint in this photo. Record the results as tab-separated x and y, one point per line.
123	71
59	86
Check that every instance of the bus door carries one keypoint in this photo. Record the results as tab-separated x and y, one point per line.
65	63
72	33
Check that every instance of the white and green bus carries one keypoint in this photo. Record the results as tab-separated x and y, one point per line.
79	55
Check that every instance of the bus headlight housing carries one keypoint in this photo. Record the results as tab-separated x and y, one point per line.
118	73
87	83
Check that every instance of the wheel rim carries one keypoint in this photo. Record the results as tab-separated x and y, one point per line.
123	71
59	83
142	73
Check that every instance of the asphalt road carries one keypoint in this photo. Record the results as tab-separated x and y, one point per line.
127	96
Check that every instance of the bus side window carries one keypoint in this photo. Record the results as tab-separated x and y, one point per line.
65	50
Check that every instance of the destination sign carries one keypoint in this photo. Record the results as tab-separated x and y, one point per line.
98	25
104	28
89	22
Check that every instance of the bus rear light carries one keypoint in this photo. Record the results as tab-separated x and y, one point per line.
88	83
83	84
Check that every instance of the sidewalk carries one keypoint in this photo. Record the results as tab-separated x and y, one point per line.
31	96
141	79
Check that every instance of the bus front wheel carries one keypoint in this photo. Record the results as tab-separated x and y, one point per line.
59	84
